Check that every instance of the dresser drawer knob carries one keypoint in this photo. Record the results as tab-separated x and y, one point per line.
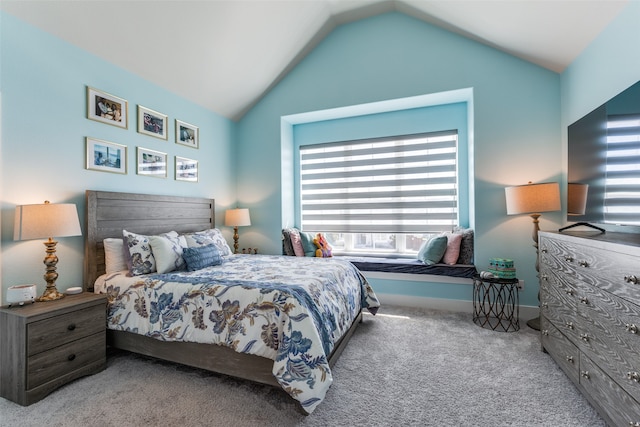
584	337
584	300
634	424
568	292
544	250
545	277
570	359
583	263
631	328
584	374
71	327
570	325
568	258
631	279
544	305
633	376
71	357
545	332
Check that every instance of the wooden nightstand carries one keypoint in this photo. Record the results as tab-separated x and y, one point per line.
48	344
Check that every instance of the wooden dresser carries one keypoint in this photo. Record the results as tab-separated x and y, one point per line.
48	344
590	317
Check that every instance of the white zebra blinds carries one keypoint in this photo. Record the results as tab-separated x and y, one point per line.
622	193
405	184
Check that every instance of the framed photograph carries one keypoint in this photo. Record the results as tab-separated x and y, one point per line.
186	169
106	156
152	123
107	108
152	163
187	134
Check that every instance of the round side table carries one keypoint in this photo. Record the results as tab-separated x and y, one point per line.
495	303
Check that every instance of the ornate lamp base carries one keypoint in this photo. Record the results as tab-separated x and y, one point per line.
50	295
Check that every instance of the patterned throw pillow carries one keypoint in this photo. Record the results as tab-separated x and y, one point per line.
432	250
167	250
141	259
212	236
466	246
199	257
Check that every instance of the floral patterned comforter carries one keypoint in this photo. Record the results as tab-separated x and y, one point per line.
289	309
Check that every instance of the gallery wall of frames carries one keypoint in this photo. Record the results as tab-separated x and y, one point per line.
112	156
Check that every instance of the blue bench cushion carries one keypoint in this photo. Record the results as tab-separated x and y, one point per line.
411	266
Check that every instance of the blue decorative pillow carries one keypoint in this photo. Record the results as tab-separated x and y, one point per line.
432	250
201	256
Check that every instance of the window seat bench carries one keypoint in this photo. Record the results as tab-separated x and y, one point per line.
410	266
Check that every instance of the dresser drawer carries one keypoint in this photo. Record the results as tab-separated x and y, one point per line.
621	408
607	341
59	361
560	348
46	334
607	269
558	305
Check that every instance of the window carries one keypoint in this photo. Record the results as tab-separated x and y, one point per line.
623	175
380	196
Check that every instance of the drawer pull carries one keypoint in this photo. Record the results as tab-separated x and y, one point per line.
545	332
583	263
631	328
633	376
631	279
544	250
570	325
545	277
634	424
584	337
71	327
568	292
570	359
568	258
71	357
584	374
584	300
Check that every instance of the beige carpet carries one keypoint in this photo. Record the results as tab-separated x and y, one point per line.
405	367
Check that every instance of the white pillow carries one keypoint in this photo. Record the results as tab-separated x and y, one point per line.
114	258
167	250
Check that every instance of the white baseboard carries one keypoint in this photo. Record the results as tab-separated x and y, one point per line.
458	306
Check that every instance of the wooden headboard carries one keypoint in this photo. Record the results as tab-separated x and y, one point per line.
108	213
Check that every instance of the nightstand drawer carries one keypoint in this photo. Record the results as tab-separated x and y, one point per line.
59	361
46	334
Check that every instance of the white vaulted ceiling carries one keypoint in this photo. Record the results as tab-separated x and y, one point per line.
226	54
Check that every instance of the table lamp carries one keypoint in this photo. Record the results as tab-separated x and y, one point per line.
47	220
236	218
532	199
577	204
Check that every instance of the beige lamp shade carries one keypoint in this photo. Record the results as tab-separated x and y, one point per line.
533	198
577	198
237	218
46	220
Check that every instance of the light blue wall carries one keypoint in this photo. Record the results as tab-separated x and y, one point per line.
516	133
606	67
44	126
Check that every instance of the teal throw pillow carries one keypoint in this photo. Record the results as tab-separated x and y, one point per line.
201	256
307	244
432	250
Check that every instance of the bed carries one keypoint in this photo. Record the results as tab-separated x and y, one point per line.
275	320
